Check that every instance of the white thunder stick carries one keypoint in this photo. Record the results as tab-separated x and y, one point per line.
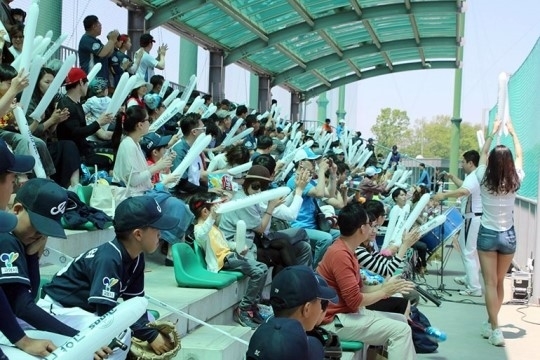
29	34
387	161
415	213
34	70
92	74
101	331
431	224
240	236
397	236
392	220
189	88
502	101
262	197
55	46
242	135
196	149
169	99
232	131
25	131
53	87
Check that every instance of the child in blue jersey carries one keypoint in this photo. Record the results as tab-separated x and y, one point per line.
92	284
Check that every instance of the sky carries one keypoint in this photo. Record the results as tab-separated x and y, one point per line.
499	34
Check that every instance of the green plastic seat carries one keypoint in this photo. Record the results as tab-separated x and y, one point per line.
189	272
40	294
351	346
201	259
154	313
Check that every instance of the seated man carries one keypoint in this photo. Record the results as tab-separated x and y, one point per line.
91	285
298	293
280	338
39	206
349	318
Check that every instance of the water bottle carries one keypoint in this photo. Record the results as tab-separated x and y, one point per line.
435	334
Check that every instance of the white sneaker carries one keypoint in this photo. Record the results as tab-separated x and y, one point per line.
468	292
460	280
486	330
496	338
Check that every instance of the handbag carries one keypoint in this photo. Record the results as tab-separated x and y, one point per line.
320	217
105	197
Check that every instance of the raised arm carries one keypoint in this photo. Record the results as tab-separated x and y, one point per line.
487	145
517	146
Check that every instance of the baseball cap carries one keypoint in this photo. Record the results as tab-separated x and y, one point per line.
142	211
372	170
153	141
45	201
258	172
297	285
7	222
142	82
146	39
153	101
74	75
310	155
341	121
10	162
279	338
338	150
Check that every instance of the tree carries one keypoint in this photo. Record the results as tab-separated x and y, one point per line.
391	128
433	138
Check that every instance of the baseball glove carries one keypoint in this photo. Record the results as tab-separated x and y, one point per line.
141	350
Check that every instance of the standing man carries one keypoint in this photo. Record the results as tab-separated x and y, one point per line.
424	176
92	50
471	210
144	62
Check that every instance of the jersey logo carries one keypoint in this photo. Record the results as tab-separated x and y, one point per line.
59	209
90	254
95	46
8	260
109	283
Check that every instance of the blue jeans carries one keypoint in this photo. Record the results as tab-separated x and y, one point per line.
257	277
320	241
503	242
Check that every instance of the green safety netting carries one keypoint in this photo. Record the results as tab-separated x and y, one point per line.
523	90
309	47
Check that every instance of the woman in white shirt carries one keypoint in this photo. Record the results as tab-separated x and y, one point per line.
500	176
130	162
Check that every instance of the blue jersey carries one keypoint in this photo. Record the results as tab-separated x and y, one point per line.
99	276
89	48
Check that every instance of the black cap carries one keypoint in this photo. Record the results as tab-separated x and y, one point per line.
146	39
139	212
7	222
297	285
10	162
279	338
45	201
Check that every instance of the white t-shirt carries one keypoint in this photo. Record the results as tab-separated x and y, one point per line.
472	184
146	67
130	156
498	209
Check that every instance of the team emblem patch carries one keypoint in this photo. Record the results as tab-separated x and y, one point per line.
109	283
8	260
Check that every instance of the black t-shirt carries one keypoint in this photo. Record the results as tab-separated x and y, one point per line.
75	128
99	276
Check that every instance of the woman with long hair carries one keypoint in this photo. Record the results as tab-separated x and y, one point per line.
500	176
131	167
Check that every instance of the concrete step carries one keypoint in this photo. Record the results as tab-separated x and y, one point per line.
208	344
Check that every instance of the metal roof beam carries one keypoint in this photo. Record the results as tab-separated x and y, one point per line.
377	43
377	72
166	13
241	18
356	7
330	42
302	12
319	76
291	55
358	52
354	68
340	18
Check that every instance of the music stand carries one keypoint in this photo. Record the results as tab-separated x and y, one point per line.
441	286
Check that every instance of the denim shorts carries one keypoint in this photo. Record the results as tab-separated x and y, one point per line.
503	242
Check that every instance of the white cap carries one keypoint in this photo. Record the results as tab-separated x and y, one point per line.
372	170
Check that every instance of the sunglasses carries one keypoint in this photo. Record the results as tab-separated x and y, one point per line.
258	186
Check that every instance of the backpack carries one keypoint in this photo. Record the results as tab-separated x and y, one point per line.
330	342
418	323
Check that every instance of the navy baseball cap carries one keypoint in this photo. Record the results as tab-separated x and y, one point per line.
139	212
10	162
7	222
279	338
297	285
153	141
45	201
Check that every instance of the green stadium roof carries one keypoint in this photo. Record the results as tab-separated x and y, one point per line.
311	46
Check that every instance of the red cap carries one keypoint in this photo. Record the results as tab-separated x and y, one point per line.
74	75
123	37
